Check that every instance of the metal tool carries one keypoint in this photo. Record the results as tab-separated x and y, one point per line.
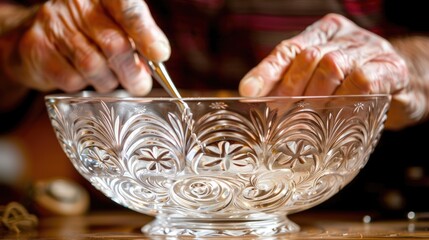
160	73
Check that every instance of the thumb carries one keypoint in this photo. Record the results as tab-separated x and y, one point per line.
261	79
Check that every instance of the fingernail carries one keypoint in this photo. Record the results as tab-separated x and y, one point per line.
159	51
251	86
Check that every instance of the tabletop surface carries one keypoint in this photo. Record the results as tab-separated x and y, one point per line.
314	225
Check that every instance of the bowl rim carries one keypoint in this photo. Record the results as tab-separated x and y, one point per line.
123	95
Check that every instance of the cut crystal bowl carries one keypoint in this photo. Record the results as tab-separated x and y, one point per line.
218	166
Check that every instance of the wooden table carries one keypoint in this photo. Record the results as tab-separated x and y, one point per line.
315	225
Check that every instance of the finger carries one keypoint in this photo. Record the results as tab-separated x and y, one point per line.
135	18
406	108
47	67
336	65
296	78
299	73
61	74
387	74
132	73
116	47
261	79
140	85
384	74
55	20
85	57
301	70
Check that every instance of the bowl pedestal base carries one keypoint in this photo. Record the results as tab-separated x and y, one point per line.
268	225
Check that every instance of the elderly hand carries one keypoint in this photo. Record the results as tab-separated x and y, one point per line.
335	56
73	44
332	56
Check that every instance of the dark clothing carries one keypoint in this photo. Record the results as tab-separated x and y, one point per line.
215	42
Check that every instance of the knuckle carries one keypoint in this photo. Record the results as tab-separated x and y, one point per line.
31	39
123	62
113	43
330	60
69	83
361	81
46	11
132	14
131	9
97	73
333	23
271	67
104	81
386	46
334	63
283	54
87	60
311	54
334	17
323	30
287	50
338	19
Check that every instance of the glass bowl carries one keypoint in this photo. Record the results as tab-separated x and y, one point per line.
220	165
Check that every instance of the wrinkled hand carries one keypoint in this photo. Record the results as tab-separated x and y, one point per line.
73	44
332	56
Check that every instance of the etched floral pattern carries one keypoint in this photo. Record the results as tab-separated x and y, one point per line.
99	161
156	160
296	152
227	157
218	105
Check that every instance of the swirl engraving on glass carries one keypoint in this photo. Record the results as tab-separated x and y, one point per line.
261	161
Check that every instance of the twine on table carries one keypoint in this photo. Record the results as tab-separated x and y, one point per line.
15	218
